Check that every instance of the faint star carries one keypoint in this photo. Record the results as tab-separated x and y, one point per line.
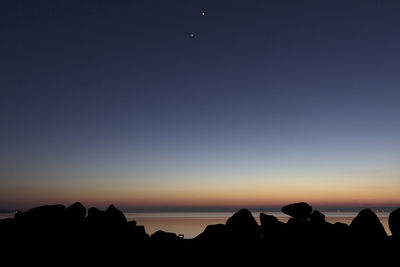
203	13
192	35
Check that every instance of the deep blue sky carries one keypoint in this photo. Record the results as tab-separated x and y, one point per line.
140	102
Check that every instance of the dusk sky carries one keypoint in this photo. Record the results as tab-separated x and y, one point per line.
198	104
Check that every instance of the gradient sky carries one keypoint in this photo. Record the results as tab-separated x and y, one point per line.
151	104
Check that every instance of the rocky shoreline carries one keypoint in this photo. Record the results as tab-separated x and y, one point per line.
49	233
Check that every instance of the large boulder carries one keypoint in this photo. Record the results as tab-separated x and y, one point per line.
115	216
136	233
40	226
320	230
366	226
110	217
301	210
42	216
76	213
215	232
162	236
7	227
394	223
96	216
340	232
243	225
317	217
268	220
271	227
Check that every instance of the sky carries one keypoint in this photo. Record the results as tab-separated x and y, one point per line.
199	104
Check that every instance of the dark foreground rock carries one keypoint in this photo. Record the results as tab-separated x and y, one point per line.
272	229
242	225
50	233
213	233
300	211
394	223
367	227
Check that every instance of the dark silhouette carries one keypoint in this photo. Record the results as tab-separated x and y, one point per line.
271	227
161	236
242	226
367	227
394	223
300	211
47	234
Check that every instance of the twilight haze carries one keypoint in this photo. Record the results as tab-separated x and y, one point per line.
200	104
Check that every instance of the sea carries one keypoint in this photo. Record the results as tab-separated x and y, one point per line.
191	224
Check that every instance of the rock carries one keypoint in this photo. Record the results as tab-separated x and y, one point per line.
215	232
43	224
44	216
341	230
76	213
394	223
366	226
300	210
115	216
96	216
272	228
317	217
136	233
140	230
18	214
298	228
320	230
6	227
267	220
111	217
161	236
243	225
6	222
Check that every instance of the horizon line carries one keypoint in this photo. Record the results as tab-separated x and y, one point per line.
322	208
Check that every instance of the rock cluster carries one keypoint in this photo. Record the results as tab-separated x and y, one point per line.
72	232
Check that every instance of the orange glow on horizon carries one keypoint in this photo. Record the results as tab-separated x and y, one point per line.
228	193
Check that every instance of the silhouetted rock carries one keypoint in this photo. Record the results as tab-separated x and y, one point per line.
65	232
267	220
161	236
115	216
297	225
300	210
136	233
215	232
272	228
111	217
320	230
270	222
317	217
6	222
243	225
366	226
140	230
6	225
76	213
46	216
341	231
394	223
96	216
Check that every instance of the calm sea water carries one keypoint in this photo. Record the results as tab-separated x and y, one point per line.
190	224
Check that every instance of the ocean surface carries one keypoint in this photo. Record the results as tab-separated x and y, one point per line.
190	224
